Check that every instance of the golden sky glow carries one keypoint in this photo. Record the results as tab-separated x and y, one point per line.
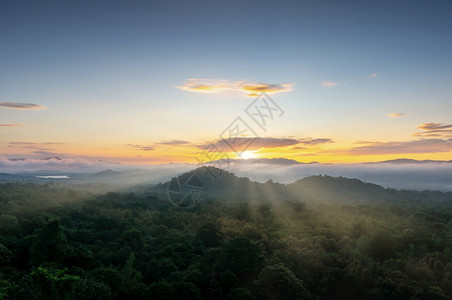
424	141
158	83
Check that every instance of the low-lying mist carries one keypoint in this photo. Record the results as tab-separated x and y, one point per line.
425	176
411	175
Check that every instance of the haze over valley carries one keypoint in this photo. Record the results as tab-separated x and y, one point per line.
237	150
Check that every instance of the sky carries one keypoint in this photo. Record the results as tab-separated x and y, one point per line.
157	82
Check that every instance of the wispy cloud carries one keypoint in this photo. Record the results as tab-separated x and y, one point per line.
47	152
418	146
251	88
141	147
11	125
396	115
313	142
22	106
52	162
174	142
22	143
243	143
33	143
434	130
433	126
248	143
329	84
362	142
35	146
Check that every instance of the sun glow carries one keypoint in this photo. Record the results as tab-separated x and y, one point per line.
248	154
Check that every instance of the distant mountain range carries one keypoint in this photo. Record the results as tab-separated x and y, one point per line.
226	186
114	179
398	173
410	161
289	162
267	161
45	158
223	185
5	177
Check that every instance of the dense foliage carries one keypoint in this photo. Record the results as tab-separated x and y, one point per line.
60	244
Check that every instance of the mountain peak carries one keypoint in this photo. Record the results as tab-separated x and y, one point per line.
107	172
409	161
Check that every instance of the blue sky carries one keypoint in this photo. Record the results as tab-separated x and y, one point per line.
107	73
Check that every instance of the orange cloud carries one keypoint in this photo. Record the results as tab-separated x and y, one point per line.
256	143
433	126
268	88
419	146
434	130
243	143
22	106
32	143
174	142
314	142
251	88
11	125
141	147
396	115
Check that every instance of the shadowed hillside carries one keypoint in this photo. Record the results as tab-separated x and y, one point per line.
224	185
317	238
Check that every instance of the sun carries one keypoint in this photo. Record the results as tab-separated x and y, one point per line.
248	154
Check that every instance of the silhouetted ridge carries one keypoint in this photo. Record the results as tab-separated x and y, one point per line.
108	172
266	161
409	161
330	188
226	186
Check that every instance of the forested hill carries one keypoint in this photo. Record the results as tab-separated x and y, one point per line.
317	238
223	185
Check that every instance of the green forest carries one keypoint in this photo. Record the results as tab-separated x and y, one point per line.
317	238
